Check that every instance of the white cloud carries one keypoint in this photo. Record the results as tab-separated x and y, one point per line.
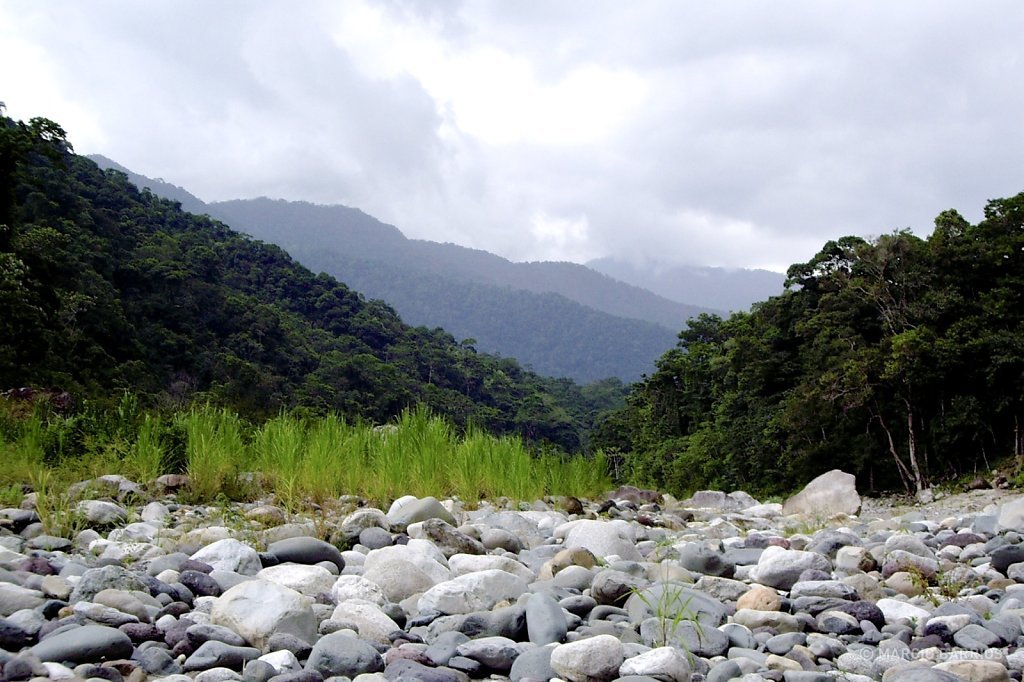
736	134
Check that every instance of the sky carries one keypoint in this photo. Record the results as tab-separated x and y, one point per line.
734	134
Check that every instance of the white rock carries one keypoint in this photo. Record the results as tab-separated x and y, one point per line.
834	492
101	512
230	555
472	592
304	579
780	568
894	610
588	660
373	623
602	538
357	587
664	663
155	513
404	570
1011	516
461	564
256	609
283	661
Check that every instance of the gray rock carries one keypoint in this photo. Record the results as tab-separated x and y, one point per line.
341	654
405	669
699	558
214	654
306	550
230	555
158	662
588	660
672	599
444	646
493	653
687	635
449	540
102	513
781	568
834	492
85	644
977	638
95	580
545	621
200	633
375	538
613	587
15	598
533	664
406	511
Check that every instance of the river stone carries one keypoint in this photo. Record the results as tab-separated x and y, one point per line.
95	580
472	592
348	587
533	664
684	634
201	633
256	609
85	644
450	540
306	550
589	660
608	586
370	620
375	538
461	564
673	598
308	580
494	653
545	622
664	663
834	492
406	669
781	568
214	654
340	654
894	610
230	555
1011	515
201	584
975	670
408	510
15	598
602	538
102	513
699	558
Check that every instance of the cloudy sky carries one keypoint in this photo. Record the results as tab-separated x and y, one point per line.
740	134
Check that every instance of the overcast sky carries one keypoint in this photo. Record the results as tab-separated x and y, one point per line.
742	134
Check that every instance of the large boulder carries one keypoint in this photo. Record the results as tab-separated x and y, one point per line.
256	609
834	492
602	538
1011	515
472	592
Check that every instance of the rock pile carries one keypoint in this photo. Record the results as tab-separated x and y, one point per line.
638	587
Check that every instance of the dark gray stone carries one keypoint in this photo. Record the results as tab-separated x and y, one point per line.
214	654
375	537
699	558
284	641
85	644
545	622
494	653
443	648
976	638
258	671
200	584
342	654
533	664
726	670
404	668
201	633
450	540
95	580
158	662
306	550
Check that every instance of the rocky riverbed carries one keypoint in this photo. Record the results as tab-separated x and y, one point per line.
635	587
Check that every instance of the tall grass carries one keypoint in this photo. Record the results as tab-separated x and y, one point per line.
299	461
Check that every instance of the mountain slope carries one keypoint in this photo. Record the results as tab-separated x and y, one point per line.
472	294
721	288
105	288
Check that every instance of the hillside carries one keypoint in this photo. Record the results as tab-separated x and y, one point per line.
900	357
721	288
107	288
560	319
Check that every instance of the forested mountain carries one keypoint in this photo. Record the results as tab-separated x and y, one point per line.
721	288
104	287
560	319
899	359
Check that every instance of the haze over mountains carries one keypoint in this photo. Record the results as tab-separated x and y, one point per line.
561	319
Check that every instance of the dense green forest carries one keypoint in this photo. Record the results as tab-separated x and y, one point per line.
105	288
558	319
899	359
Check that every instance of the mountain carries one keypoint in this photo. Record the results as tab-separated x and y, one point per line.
560	319
721	288
106	288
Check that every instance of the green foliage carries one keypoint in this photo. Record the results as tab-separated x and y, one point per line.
106	288
899	359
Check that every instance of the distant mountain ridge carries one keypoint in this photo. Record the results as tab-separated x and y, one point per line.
721	288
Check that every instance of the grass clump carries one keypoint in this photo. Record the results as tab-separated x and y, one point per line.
302	461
